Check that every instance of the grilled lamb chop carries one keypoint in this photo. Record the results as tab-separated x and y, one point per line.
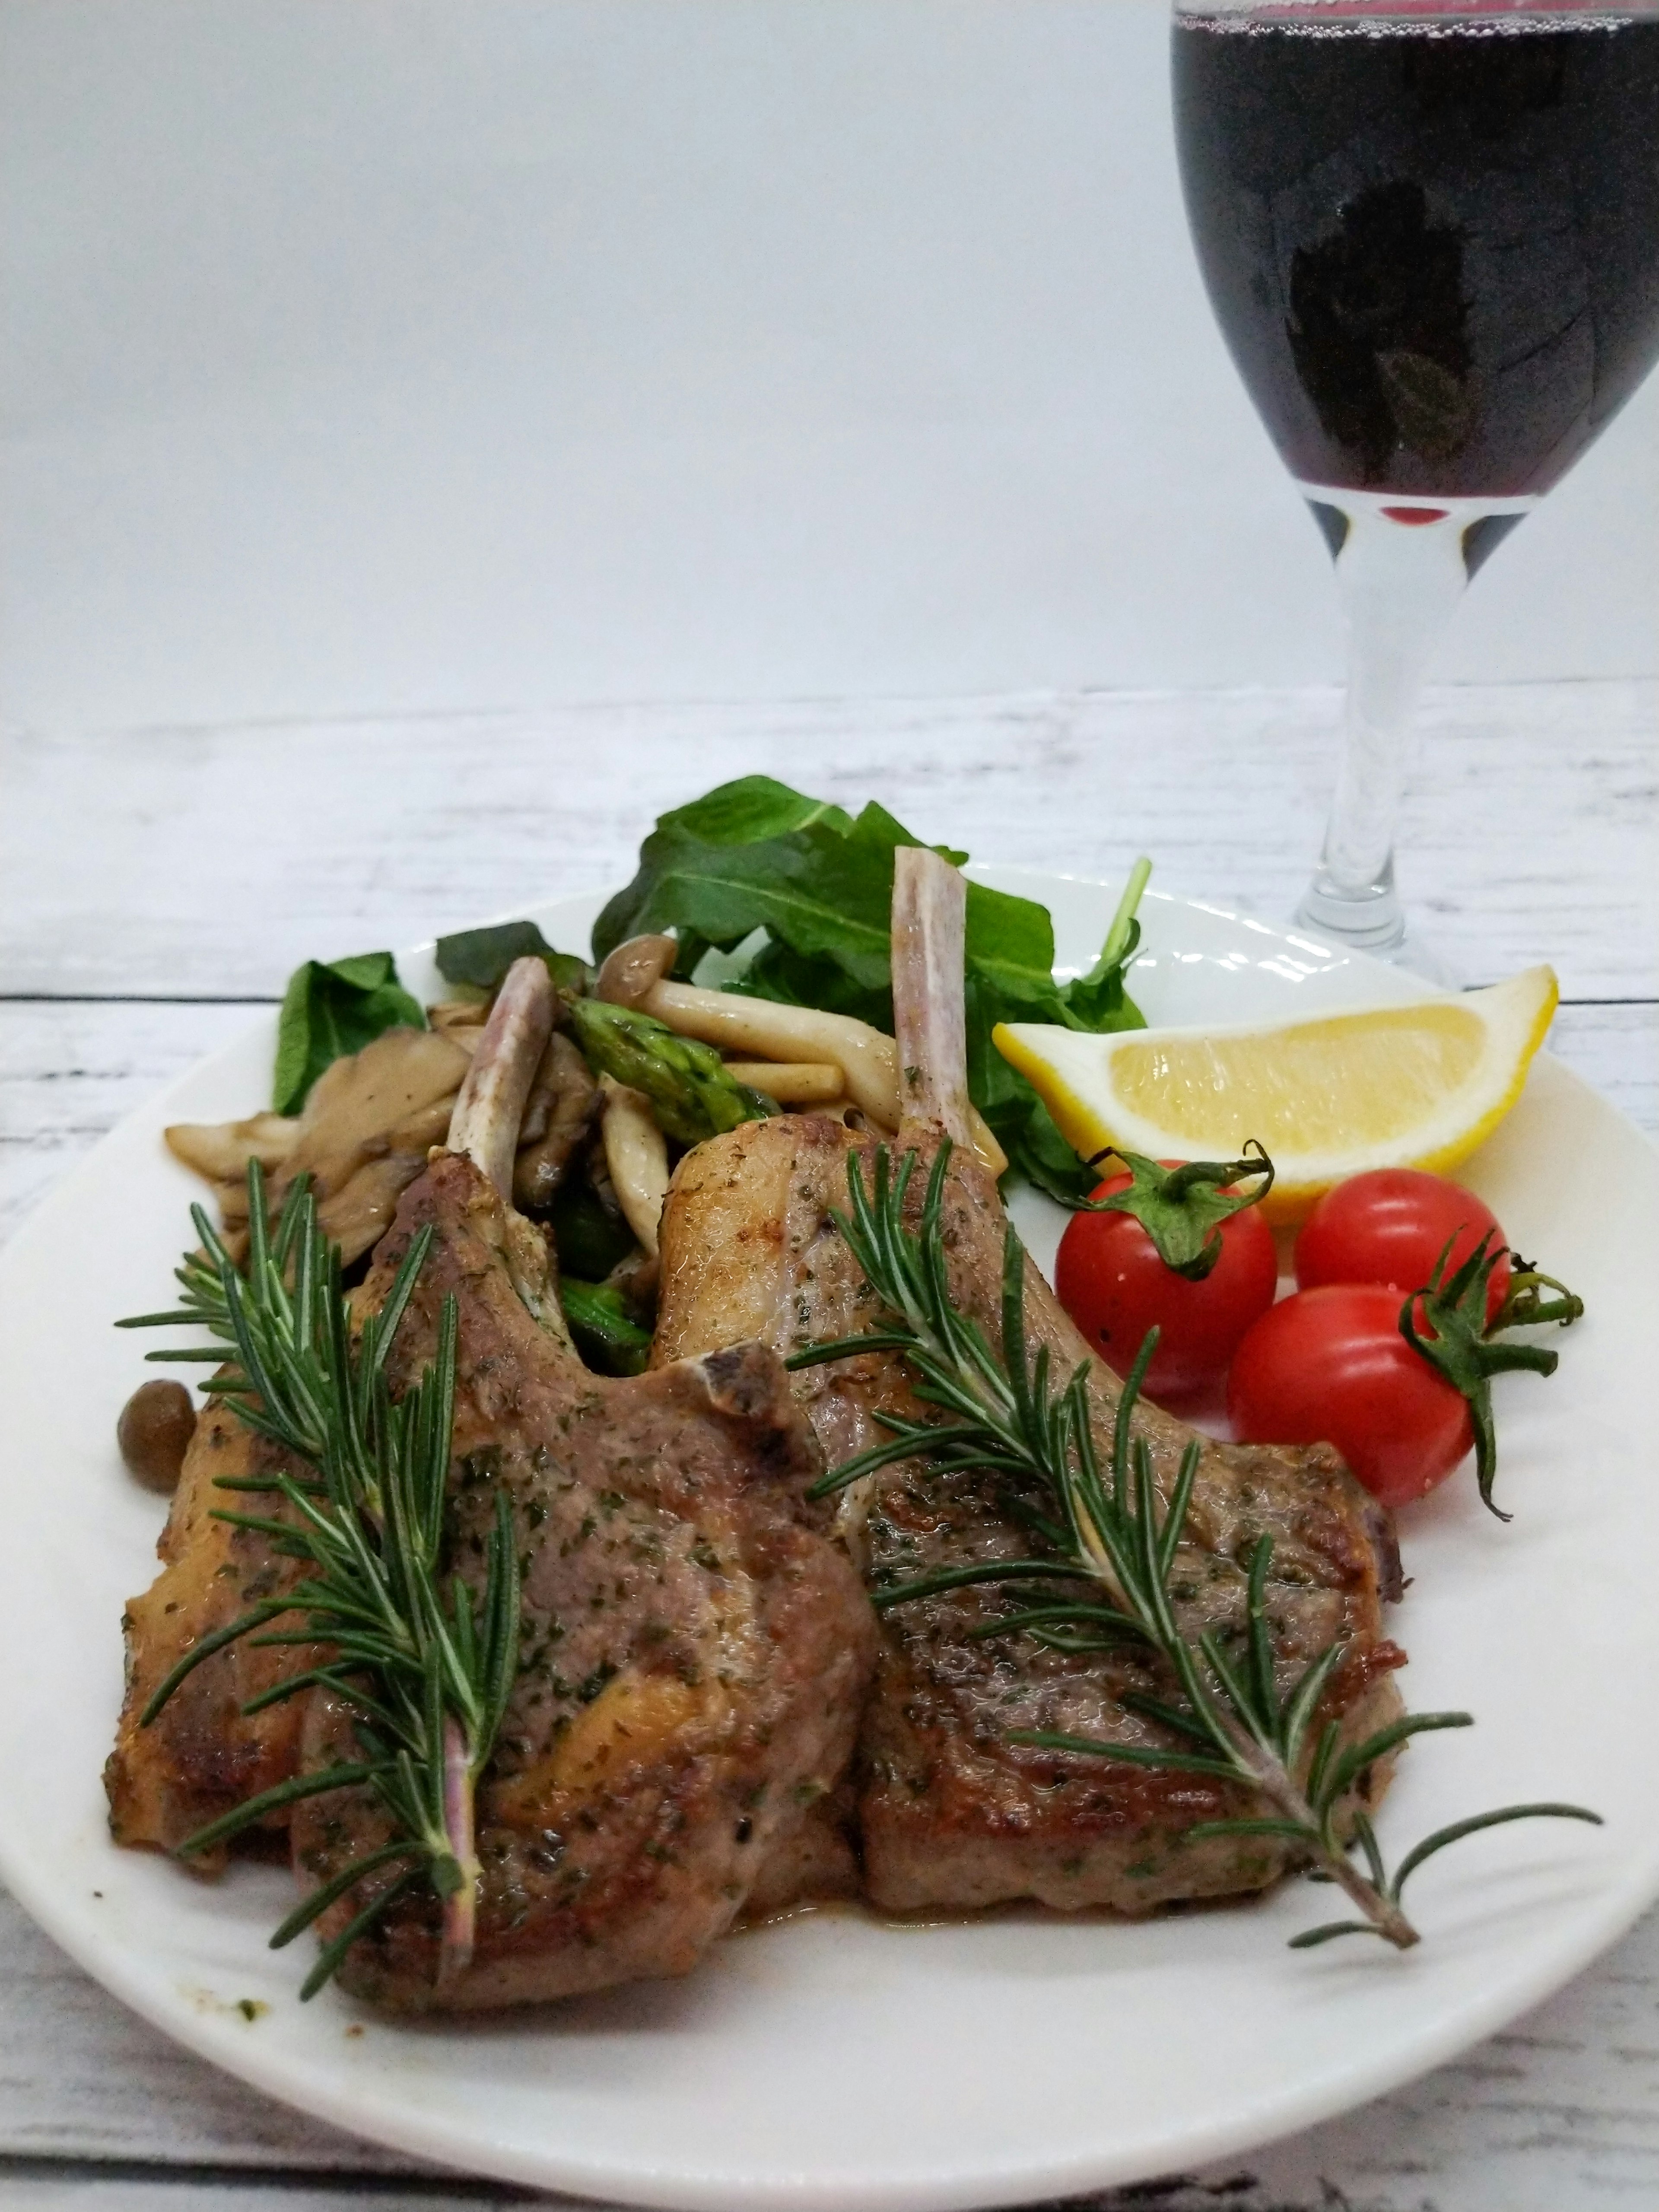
951	1814
201	1757
695	1650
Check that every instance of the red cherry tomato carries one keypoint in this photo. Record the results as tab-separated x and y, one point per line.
1390	1227
1330	1366
1111	1281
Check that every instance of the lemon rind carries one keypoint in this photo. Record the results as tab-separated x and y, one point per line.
1458	1128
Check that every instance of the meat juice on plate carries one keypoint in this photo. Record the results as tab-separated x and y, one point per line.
1432	245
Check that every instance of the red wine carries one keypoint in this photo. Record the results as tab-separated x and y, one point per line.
1434	247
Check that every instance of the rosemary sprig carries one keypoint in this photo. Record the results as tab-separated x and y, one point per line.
1005	1414
427	1676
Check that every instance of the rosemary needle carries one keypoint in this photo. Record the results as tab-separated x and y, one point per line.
1002	1413
426	1673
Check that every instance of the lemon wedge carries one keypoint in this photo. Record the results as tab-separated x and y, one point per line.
1415	1085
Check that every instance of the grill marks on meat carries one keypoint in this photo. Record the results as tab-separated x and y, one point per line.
950	1813
695	1653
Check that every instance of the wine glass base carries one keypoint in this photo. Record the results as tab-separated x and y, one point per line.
1382	934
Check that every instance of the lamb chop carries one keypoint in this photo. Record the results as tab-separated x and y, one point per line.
202	1755
695	1650
175	1771
952	1813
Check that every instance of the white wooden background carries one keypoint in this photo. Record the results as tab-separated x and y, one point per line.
154	884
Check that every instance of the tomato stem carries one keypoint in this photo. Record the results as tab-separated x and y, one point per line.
1457	1342
1181	1208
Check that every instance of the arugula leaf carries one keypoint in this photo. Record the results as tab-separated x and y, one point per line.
482	957
331	1008
755	856
774	972
823	888
1093	1001
1037	1150
753	807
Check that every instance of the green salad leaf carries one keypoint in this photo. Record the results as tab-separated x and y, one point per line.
823	887
806	889
331	1008
482	957
753	807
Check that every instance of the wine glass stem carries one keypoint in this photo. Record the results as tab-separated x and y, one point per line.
1400	581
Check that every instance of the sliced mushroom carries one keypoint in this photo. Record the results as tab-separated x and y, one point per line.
564	1100
356	1216
637	1277
636	1154
461	1020
629	972
366	1130
221	1151
357	1105
363	1138
790	1082
740	1024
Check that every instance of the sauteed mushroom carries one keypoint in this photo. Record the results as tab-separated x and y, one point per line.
630	971
638	1156
564	1102
154	1433
363	1138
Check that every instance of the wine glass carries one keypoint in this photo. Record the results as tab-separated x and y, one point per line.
1430	232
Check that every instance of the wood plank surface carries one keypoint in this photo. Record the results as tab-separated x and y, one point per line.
187	862
148	879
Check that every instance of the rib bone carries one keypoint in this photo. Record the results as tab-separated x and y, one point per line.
930	907
489	1107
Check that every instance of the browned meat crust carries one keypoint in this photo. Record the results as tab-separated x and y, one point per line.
695	1651
201	1757
952	1815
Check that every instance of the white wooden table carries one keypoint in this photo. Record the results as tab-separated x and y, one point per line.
155	883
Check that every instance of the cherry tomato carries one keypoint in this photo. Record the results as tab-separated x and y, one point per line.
1390	1227
1330	1366
1111	1281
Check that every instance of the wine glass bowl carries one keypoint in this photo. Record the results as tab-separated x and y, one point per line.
1430	232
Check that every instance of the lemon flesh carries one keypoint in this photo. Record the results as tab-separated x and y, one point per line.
1416	1085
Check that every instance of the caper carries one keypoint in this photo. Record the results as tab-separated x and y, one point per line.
154	1432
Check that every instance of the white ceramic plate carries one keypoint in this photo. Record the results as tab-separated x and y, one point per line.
832	2061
